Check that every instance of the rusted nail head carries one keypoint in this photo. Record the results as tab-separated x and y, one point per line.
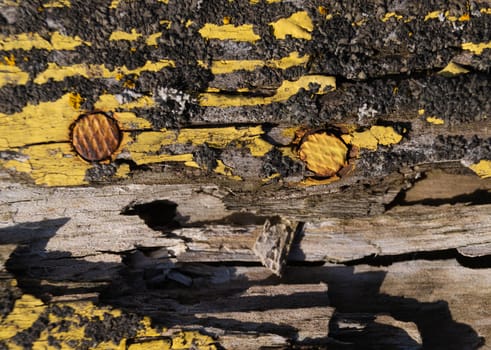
95	136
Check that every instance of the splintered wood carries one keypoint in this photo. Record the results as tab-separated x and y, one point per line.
273	244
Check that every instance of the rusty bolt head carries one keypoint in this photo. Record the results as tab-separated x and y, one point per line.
95	136
323	153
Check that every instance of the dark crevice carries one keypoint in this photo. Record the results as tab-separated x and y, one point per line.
158	215
445	254
478	197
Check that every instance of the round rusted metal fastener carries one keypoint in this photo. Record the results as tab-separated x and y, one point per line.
95	136
323	153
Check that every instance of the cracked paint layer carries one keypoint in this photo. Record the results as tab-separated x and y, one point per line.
66	325
243	32
286	90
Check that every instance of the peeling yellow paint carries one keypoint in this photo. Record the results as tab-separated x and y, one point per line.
12	75
299	25
130	121
421	111
146	147
40	134
482	168
29	41
114	4
476	48
51	165
243	32
283	93
63	42
324	12
26	311
44	122
385	135
222	169
152	39
93	71
120	35
9	60
390	15
161	344
370	139
230	66
485	11
166	23
440	15
195	340
123	171
433	15
435	120
463	18
58	3
69	331
107	102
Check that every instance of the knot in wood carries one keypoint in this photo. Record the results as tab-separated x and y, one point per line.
95	136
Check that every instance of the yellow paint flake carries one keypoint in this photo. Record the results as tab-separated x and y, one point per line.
194	340
63	42
114	4
283	93
433	15
485	11
323	154
152	39
230	66
123	171
243	32
435	120
12	75
97	71
222	169
476	48
370	139
390	15
120	35
299	25
75	100
463	18
58	3
130	121
9	60
164	1
482	168
421	111
258	146
26	311
166	23
29	41
385	135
